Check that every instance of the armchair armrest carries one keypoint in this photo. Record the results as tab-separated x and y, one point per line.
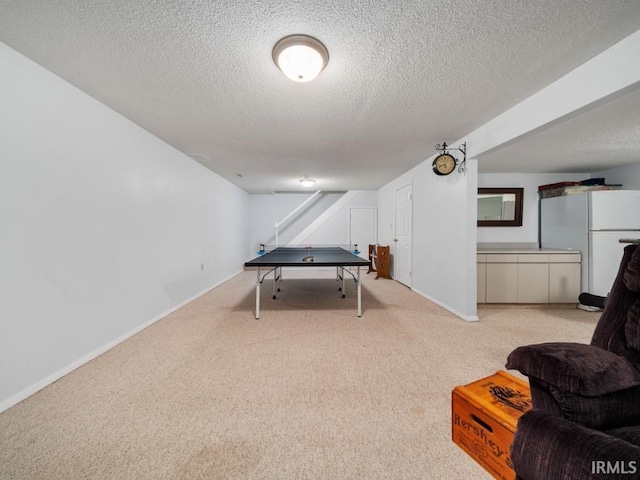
581	383
575	368
546	447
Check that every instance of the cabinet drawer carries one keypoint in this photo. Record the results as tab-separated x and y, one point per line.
564	258
481	258
533	258
502	258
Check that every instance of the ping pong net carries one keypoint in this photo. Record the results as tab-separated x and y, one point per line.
319	248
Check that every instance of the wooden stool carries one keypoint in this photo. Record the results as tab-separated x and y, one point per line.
379	258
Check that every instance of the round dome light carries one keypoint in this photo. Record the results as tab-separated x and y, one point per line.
300	57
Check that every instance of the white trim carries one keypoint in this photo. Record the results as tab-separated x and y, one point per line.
471	318
27	392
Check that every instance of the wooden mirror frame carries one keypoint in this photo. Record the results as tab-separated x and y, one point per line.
517	221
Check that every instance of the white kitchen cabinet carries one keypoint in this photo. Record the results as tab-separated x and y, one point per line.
564	278
532	276
502	278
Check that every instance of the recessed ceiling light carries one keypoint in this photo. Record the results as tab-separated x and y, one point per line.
307	182
300	57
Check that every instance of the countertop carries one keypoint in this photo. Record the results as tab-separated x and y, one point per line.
483	251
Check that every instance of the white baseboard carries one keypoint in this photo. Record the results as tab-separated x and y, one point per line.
466	318
27	392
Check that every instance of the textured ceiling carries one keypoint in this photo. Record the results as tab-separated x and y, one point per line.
603	136
402	76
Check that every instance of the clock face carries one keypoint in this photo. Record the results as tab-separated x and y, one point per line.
444	164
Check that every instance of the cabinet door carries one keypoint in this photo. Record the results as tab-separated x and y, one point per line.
564	282
502	282
482	286
533	283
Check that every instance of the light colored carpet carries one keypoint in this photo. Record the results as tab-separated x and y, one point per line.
309	391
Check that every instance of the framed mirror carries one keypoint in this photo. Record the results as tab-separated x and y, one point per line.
500	207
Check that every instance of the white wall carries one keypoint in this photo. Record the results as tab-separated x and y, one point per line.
628	177
265	210
443	234
105	228
528	232
337	228
445	231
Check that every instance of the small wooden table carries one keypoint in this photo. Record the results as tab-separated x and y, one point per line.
484	417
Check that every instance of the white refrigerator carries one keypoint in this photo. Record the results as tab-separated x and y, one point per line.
592	222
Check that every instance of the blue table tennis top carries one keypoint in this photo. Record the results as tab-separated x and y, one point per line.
321	257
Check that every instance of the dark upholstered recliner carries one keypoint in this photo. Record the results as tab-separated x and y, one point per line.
585	422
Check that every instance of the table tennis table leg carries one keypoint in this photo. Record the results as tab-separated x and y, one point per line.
344	292
275	281
258	295
359	291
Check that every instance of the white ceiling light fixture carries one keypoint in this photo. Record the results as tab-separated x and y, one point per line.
300	57
307	182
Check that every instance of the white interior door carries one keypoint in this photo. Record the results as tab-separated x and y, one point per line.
363	229
402	240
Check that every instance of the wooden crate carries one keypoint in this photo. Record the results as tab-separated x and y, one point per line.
484	415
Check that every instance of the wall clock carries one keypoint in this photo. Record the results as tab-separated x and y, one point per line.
444	164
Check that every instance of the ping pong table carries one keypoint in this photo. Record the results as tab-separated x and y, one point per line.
276	258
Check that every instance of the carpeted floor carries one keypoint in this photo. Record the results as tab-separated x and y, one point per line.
309	391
